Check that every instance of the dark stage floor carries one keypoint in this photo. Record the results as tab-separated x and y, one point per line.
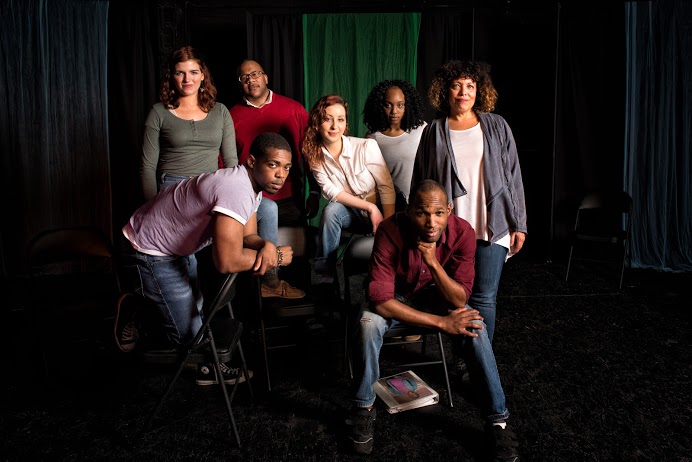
591	374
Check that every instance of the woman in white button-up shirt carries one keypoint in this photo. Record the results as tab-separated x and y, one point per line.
352	175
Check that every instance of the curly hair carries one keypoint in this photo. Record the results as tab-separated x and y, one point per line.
486	95
206	98
374	116
312	141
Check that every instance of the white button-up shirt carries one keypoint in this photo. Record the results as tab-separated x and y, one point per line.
359	171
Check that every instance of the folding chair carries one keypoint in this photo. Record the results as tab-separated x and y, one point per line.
604	221
276	315
215	343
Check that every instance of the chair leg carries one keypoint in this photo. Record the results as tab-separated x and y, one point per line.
569	261
242	357
222	384
264	351
444	366
171	384
625	251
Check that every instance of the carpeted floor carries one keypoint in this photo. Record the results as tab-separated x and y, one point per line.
590	373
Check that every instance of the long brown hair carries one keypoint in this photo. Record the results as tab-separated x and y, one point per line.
206	98
312	142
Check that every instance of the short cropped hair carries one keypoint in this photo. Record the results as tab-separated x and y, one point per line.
264	142
425	186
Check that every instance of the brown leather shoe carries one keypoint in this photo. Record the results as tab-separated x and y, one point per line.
283	290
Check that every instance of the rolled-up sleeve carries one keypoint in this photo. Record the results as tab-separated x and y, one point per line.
460	266
330	188
374	162
383	267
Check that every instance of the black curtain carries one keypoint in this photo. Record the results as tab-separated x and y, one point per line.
658	133
276	42
590	112
133	85
444	35
53	121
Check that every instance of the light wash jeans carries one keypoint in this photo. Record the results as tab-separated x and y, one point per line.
336	217
490	259
171	284
477	351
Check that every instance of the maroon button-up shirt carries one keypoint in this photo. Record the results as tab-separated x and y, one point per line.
396	265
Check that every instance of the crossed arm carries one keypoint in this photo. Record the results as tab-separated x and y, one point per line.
237	247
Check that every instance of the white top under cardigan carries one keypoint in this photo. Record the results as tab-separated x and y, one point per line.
468	155
360	171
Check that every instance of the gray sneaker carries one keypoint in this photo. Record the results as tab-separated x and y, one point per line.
362	423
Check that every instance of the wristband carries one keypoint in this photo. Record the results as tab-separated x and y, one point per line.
279	256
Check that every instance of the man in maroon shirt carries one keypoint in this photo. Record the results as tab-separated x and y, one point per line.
421	272
261	111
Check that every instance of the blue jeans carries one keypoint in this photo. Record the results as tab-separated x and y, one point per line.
268	220
166	180
171	284
490	258
336	217
477	351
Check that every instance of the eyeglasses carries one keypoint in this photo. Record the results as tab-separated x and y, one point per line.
245	78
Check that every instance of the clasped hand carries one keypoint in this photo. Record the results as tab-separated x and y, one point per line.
460	322
268	257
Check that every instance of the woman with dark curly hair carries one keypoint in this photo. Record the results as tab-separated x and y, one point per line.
472	153
351	173
393	114
185	131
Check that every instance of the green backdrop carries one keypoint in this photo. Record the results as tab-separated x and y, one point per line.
348	54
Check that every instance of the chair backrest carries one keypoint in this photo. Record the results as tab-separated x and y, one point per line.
62	244
83	251
224	295
293	236
605	215
357	255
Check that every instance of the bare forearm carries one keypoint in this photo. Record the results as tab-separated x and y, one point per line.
394	309
387	210
253	241
451	290
352	201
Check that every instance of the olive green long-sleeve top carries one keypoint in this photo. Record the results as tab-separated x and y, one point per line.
185	147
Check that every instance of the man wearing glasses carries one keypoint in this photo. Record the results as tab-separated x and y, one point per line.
262	111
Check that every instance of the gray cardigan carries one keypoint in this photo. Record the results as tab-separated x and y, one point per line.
504	189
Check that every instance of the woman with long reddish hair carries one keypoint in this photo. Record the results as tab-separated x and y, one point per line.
352	175
185	131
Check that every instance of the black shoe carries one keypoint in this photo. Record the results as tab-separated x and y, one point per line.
362	422
125	329
502	443
206	374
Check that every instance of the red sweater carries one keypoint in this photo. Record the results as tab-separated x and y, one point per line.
283	116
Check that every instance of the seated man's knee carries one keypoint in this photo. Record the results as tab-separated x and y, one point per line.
371	325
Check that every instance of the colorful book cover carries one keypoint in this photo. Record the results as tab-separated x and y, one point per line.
404	391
